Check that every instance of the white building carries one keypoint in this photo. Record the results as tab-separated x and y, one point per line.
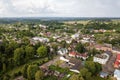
43	26
68	41
64	59
117	74
101	58
41	39
85	40
56	37
62	51
75	36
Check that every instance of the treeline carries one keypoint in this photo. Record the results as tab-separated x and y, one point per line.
99	25
13	54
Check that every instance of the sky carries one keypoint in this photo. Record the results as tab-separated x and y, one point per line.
59	8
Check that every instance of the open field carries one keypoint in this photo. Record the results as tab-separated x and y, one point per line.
86	21
80	22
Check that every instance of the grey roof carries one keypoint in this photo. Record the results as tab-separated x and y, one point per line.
78	64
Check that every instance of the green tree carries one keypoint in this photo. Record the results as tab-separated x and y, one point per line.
93	67
93	52
24	71
19	56
90	65
42	51
9	50
29	52
55	48
4	67
4	62
31	70
85	74
80	48
39	75
76	77
6	77
98	67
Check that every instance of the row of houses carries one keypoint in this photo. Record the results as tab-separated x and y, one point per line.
64	51
107	47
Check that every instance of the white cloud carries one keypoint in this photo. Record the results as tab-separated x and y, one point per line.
67	8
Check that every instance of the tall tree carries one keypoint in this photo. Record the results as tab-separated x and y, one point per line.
80	48
93	67
85	74
29	52
31	70
24	71
90	65
19	56
42	51
98	67
76	77
93	52
39	75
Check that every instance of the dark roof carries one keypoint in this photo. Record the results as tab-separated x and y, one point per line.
109	53
114	48
78	64
74	61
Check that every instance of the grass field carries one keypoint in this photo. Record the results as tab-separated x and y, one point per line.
86	21
79	22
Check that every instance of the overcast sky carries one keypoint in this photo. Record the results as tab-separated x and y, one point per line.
59	8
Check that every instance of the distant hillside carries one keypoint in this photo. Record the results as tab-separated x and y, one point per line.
38	19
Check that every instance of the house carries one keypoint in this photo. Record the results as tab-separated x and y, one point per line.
75	36
103	74
100	30
115	50
117	62
43	26
103	47
59	39
62	51
40	39
75	64
84	41
48	34
83	56
64	59
72	54
101	58
56	37
68	41
117	74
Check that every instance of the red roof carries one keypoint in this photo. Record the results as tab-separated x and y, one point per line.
73	53
118	57
117	63
83	55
